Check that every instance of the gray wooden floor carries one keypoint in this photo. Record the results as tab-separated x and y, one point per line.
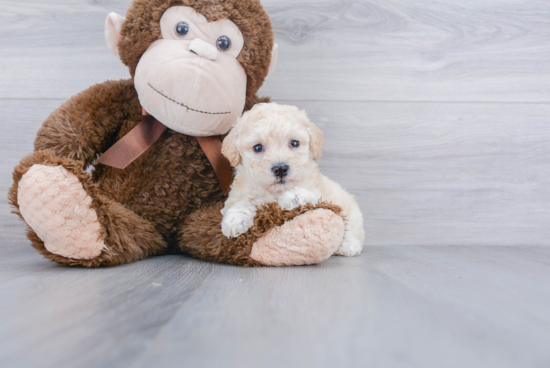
390	307
437	117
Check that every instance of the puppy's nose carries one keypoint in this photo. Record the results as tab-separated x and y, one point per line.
280	170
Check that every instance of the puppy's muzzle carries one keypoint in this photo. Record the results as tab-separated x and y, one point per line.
280	171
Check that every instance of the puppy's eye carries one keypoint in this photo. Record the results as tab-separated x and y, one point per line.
294	144
258	148
182	29
223	43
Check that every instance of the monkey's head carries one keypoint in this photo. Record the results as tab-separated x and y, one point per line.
196	64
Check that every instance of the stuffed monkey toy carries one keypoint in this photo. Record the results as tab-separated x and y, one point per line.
196	65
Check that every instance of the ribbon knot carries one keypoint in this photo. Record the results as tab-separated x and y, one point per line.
145	134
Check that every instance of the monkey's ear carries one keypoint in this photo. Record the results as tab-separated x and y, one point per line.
112	32
229	147
315	140
274	53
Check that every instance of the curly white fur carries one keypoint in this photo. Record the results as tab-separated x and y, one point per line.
296	197
275	127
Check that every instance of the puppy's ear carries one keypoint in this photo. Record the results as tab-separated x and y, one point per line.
229	147
315	140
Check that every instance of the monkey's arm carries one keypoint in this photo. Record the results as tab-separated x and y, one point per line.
86	124
307	234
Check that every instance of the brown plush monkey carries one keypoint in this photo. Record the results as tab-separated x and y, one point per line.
195	66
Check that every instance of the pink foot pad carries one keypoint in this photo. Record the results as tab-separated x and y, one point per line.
56	206
308	239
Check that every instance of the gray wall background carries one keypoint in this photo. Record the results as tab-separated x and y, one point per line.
436	113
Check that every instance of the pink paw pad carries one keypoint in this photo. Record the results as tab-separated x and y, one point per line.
55	205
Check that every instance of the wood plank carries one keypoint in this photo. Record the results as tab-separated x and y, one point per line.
63	317
391	307
442	50
434	173
423	173
375	50
442	174
55	49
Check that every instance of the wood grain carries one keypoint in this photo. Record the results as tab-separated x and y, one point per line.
391	307
436	117
442	174
376	50
475	51
423	173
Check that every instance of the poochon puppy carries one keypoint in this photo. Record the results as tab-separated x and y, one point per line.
274	149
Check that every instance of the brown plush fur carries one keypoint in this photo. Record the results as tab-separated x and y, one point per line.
144	207
153	195
128	236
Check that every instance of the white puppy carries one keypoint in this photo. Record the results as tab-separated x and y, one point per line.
274	149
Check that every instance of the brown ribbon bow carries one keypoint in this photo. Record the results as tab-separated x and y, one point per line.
146	133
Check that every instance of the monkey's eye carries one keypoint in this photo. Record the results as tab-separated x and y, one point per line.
294	144
223	43
182	29
258	148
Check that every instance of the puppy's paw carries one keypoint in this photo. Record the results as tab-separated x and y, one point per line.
297	197
235	223
350	247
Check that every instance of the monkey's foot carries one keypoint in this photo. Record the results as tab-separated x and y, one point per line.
309	238
55	205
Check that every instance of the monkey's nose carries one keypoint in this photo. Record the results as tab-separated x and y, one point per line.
203	49
280	170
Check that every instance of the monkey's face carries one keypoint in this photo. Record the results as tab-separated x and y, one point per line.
191	67
191	80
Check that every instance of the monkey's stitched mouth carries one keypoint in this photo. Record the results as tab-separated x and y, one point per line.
187	107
